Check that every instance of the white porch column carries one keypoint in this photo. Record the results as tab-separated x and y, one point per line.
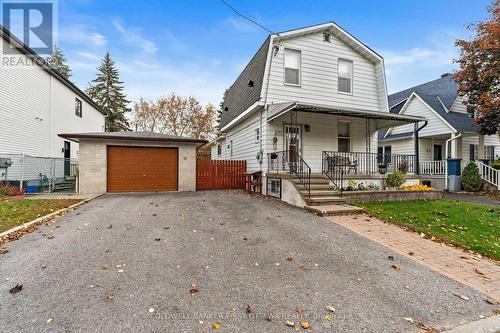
480	149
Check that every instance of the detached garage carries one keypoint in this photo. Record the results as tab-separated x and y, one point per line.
135	162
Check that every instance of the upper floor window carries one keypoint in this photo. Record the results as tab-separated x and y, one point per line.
292	67
345	76
78	107
219	149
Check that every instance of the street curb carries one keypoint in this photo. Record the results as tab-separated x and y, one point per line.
4	235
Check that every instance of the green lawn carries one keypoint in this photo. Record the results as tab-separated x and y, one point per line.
472	226
15	211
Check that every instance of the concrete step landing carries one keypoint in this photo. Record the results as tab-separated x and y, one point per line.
334	210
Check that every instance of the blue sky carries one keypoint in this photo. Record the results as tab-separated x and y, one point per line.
199	47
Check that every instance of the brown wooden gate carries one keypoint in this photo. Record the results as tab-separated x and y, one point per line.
219	175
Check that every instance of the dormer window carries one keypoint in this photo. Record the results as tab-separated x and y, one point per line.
292	67
326	37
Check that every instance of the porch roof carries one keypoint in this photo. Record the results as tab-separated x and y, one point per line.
384	119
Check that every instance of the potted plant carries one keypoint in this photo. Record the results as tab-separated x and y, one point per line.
403	167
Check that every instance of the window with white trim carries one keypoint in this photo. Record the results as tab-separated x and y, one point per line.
344	137
345	76
219	149
292	67
78	107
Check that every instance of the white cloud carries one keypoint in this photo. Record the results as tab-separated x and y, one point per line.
134	36
82	35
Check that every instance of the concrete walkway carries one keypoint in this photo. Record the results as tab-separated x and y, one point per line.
475	271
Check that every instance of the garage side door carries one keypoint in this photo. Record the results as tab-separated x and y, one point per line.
142	169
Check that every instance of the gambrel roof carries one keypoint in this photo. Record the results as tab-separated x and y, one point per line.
241	95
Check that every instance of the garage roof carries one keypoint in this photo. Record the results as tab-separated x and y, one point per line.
137	136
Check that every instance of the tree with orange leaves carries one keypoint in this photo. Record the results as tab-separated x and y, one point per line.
479	74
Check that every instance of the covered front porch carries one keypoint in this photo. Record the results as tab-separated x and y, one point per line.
304	139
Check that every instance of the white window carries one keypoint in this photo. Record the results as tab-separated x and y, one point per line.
292	67
257	135
344	137
78	107
345	76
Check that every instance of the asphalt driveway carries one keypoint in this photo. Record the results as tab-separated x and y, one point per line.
128	262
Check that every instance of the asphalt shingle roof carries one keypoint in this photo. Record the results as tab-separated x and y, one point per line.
240	95
437	93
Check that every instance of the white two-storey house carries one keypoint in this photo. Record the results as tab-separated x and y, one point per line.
305	112
36	104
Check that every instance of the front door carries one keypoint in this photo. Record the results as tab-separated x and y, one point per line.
438	152
67	156
293	142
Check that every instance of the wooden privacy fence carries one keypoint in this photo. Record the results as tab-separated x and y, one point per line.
218	175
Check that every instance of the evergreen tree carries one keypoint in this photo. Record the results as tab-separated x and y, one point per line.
57	60
107	91
221	109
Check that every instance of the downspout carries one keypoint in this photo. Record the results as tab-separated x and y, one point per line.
446	152
417	157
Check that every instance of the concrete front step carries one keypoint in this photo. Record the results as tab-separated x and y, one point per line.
321	201
334	210
316	181
320	192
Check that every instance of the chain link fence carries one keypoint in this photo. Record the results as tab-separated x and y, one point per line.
39	175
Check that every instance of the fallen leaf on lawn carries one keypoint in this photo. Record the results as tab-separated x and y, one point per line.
105	266
299	309
194	289
465	298
216	325
396	268
330	308
408	319
289	323
49	320
305	325
249	309
328	317
16	289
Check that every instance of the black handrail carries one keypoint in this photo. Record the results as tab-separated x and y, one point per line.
290	162
335	175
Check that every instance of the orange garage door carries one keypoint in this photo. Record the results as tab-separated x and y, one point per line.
142	169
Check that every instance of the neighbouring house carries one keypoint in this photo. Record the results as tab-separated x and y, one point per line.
135	162
304	113
449	133
37	103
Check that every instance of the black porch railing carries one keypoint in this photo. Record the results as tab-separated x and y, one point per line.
291	162
335	165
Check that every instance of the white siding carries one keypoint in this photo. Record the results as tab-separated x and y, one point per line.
458	105
416	107
245	146
319	75
322	136
404	147
489	140
35	107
